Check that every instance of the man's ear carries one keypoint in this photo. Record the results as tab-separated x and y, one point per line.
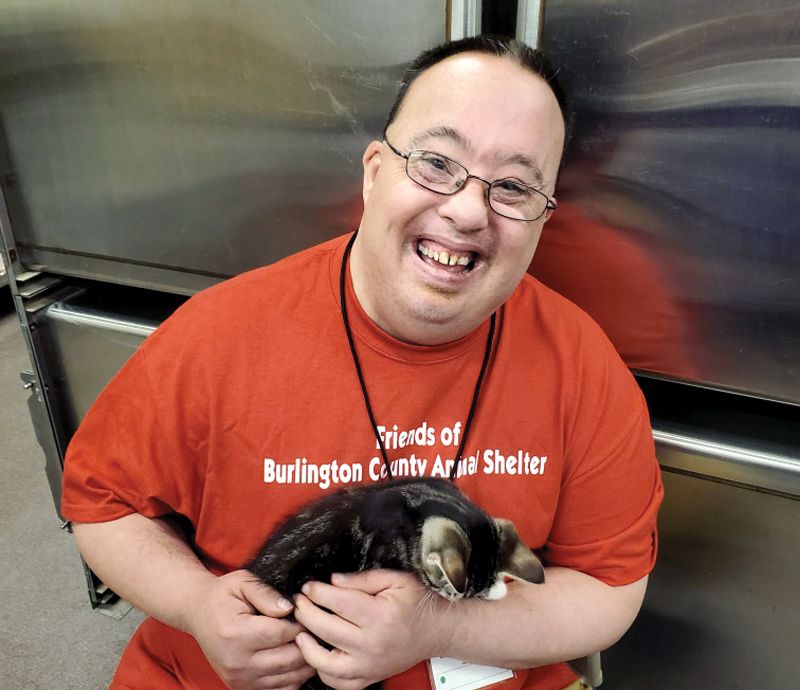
549	211
371	160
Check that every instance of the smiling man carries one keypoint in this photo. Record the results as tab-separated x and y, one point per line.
429	307
430	267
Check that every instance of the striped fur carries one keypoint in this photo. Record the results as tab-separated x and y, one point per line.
422	526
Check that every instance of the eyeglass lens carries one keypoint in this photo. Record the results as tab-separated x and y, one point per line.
507	197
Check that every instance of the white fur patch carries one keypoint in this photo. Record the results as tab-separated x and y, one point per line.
498	590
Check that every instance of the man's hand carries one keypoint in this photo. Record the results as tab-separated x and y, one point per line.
380	622
247	650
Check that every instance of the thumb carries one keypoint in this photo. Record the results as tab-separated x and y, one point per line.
265	599
375	581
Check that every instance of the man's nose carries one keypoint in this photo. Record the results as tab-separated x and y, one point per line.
468	208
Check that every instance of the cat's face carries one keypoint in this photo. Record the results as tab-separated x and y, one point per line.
458	565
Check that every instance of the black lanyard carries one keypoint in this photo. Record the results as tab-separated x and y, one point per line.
475	395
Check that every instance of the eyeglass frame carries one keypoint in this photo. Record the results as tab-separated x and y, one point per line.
550	205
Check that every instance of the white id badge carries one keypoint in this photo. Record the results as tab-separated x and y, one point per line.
454	674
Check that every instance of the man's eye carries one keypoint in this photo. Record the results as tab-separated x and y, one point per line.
436	162
511	187
510	190
433	169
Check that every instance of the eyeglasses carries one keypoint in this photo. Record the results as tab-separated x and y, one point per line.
508	197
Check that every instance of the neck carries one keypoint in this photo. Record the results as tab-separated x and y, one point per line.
360	373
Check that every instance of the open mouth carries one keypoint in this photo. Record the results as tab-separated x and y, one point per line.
454	262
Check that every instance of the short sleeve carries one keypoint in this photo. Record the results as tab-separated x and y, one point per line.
605	524
141	446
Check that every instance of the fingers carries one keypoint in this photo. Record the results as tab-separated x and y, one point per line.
248	650
327	661
288	681
281	666
353	605
334	667
329	625
350	600
267	633
368	618
267	629
287	667
263	598
374	581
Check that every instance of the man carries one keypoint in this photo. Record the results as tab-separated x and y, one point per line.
246	404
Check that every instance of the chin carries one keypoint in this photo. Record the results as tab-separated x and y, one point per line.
429	333
431	317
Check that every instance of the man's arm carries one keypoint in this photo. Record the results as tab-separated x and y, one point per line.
383	622
570	616
150	565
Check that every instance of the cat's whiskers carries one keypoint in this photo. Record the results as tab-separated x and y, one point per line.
450	602
407	525
422	603
426	601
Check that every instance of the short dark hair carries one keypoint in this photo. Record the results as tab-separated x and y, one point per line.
501	46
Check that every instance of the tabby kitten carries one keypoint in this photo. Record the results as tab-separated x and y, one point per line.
422	526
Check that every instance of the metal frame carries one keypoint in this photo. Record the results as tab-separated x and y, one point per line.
32	292
530	20
464	19
45	418
732	464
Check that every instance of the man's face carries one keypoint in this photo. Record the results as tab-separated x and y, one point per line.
497	119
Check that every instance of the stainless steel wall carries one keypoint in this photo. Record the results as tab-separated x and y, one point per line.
170	144
677	230
678	224
721	609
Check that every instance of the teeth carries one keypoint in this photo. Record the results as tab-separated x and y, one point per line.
444	257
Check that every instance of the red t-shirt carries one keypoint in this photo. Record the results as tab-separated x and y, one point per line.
245	405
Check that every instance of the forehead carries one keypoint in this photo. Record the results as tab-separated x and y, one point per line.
485	106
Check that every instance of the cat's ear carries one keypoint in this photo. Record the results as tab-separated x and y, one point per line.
445	552
516	559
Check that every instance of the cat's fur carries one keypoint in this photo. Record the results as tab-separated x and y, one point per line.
423	526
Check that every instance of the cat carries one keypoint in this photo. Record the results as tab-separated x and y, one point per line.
423	526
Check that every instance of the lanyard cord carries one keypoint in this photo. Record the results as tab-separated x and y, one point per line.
478	384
